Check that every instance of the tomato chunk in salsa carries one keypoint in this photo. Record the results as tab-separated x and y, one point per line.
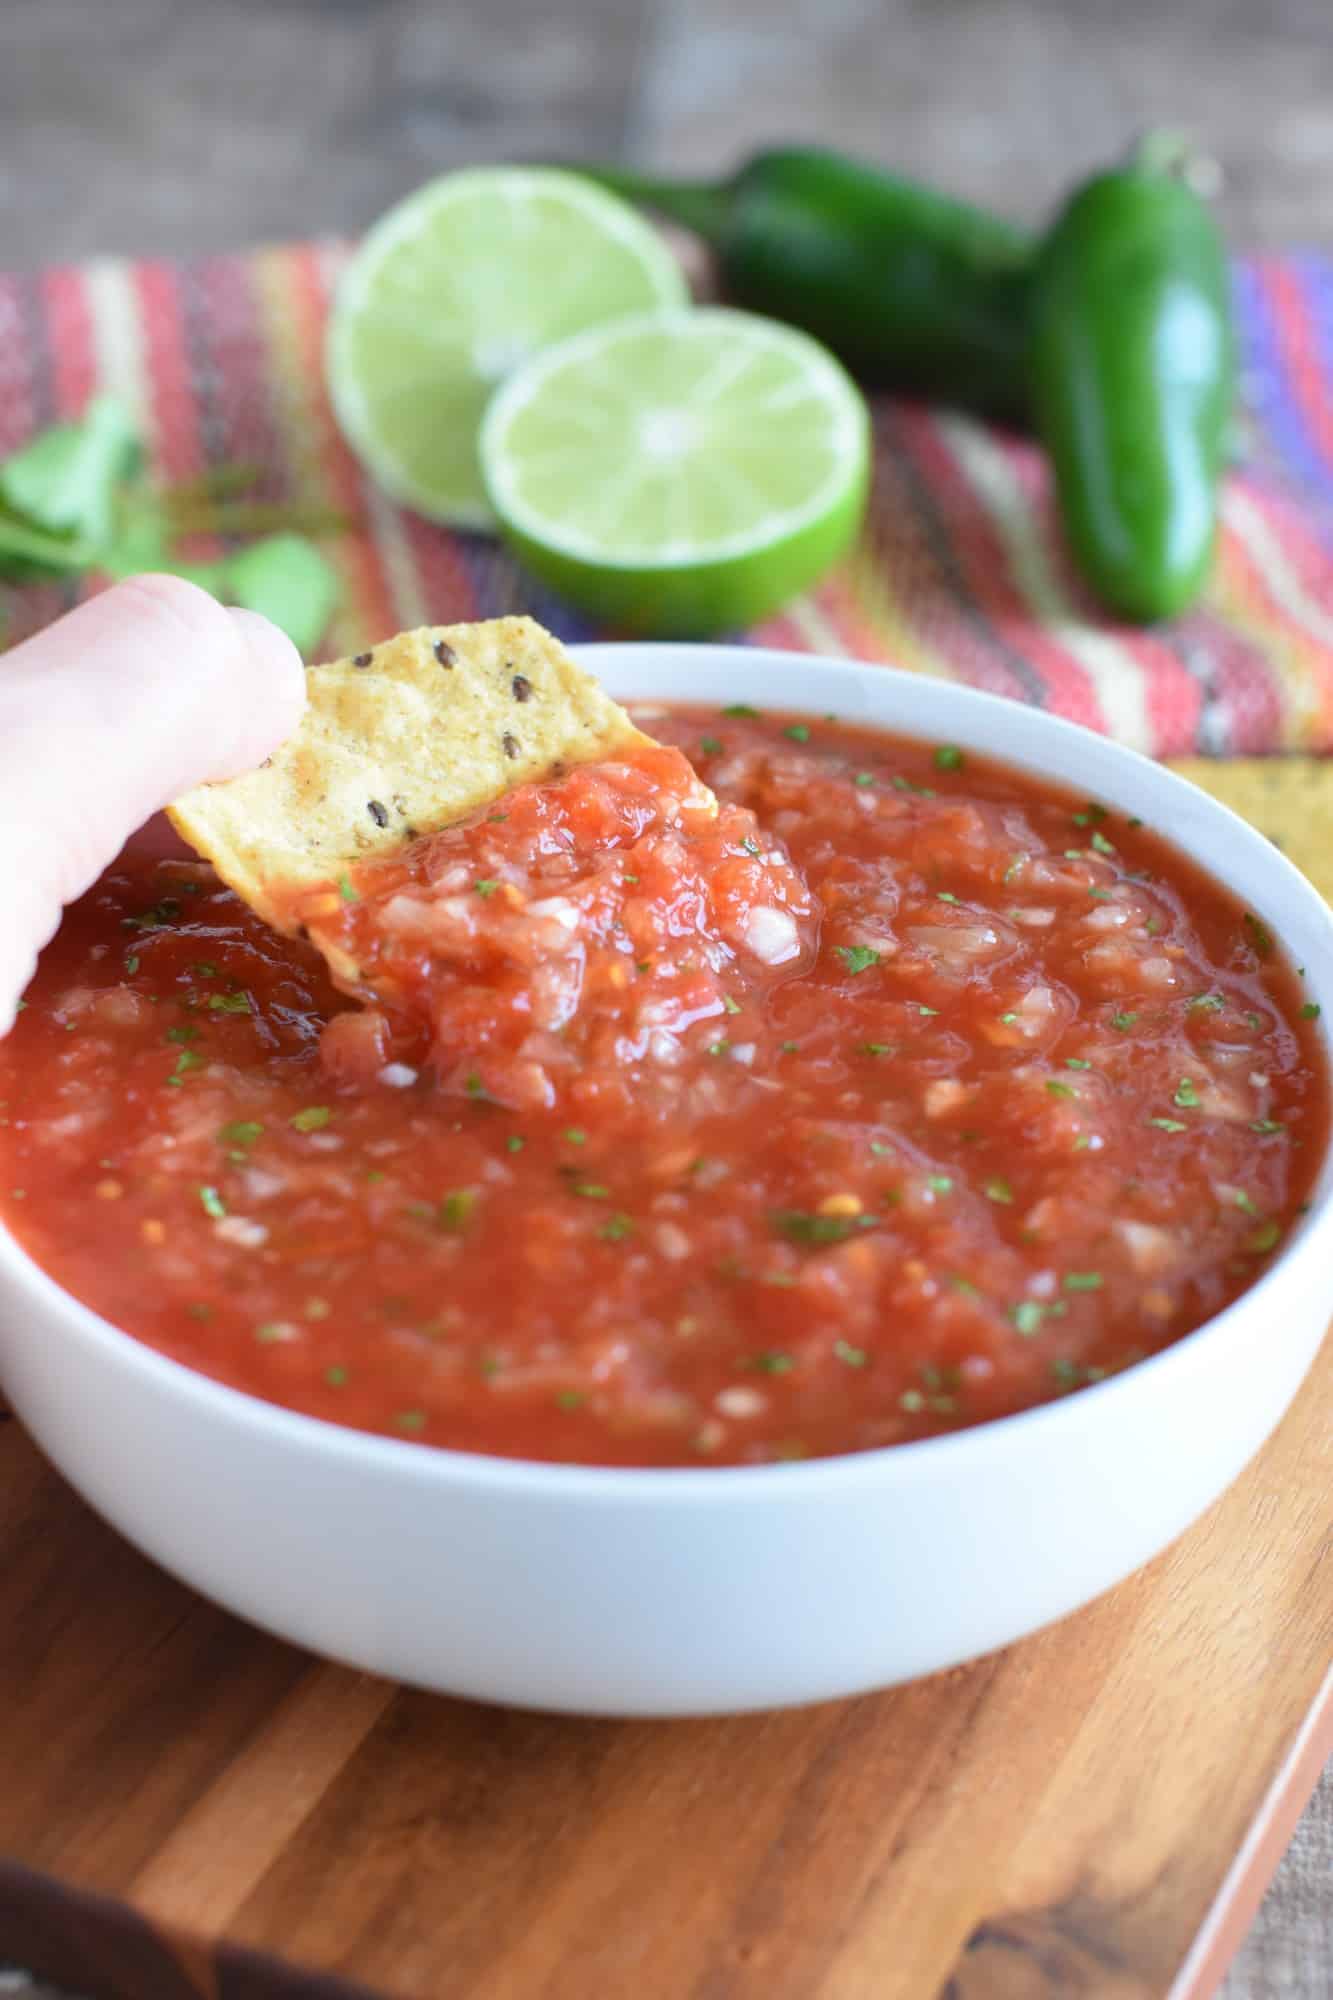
901	1093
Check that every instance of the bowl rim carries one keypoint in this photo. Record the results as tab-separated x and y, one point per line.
447	1467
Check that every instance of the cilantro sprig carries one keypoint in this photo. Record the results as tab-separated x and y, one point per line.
77	499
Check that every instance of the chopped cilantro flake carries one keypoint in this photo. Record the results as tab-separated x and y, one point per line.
798	732
948	757
732	1006
800	1226
570	1399
410	1420
230	1003
1205	1002
1187	1097
616	1228
313	1118
212	1203
939	1183
575	1135
1260	937
851	1357
1100	844
773	1362
864	778
790	1048
741	709
1124	1022
335	1377
711	746
514	1143
455	1210
1264	1237
1310	1011
946	897
877	1048
346	889
925	1011
1060	1089
1076	1062
243	1133
1083	1281
485	886
1168	1124
719	1048
857	957
1267	1126
591	1190
131	966
1027	1317
998	1189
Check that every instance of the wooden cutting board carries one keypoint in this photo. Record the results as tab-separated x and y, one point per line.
194	1809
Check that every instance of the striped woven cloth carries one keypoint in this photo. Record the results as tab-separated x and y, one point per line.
959	573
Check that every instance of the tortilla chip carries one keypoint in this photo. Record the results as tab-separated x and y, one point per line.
1288	798
400	741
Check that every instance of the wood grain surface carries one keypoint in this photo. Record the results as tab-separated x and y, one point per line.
1054	1821
140	126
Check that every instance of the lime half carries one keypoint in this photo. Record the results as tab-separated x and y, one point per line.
453	289
679	472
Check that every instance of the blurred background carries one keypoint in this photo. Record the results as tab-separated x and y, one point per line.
194	125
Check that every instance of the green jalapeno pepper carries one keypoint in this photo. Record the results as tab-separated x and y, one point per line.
911	288
1131	372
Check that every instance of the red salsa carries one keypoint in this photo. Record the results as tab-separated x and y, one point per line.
899	1093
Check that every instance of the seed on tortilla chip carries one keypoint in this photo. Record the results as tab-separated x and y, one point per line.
1288	798
401	740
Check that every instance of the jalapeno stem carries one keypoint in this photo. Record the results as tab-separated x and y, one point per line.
702	206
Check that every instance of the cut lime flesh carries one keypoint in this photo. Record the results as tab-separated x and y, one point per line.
454	288
679	472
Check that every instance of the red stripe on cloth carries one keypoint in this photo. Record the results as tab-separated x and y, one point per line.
227	329
70	336
173	411
1245	695
18	387
1172	698
1299	354
984	561
445	582
916	568
373	609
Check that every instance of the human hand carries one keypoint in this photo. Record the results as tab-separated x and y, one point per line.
107	716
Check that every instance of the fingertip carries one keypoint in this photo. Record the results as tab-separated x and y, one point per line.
276	685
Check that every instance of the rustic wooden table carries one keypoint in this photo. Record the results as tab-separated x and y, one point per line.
166	125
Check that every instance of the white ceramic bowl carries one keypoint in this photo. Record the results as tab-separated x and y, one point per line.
678	1592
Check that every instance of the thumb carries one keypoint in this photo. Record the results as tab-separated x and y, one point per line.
107	716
